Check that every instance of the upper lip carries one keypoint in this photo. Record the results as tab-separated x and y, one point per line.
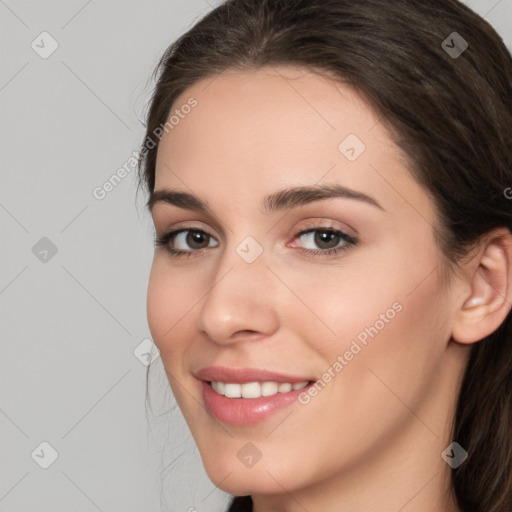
243	375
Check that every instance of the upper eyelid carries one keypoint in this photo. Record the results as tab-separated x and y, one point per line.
296	233
315	224
213	220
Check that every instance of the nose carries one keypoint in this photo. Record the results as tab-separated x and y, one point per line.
240	302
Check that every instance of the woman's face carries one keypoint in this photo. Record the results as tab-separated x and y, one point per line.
250	293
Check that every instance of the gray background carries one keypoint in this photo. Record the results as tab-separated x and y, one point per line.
72	320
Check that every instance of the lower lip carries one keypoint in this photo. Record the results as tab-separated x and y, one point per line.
246	411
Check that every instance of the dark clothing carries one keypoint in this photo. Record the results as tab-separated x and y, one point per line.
241	504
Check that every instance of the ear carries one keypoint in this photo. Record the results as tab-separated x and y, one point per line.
490	299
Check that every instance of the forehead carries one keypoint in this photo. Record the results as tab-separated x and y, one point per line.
269	111
254	131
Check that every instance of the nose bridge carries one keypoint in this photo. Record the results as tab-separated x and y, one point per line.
239	294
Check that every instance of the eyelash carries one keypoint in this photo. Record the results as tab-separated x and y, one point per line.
163	241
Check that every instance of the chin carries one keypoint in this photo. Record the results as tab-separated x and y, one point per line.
242	485
262	478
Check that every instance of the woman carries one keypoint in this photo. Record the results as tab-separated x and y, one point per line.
332	281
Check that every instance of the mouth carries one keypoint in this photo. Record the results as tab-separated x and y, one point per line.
249	403
252	390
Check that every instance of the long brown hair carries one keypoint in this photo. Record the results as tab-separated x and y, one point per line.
447	105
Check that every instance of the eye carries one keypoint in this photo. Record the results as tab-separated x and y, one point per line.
191	237
327	238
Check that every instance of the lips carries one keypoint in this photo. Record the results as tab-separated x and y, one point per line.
245	375
246	411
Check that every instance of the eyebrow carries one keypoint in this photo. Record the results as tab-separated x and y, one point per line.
281	200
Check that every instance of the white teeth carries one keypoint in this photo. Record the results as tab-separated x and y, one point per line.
269	388
251	390
233	390
254	389
218	386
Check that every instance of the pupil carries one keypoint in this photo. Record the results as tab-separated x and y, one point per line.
196	237
325	236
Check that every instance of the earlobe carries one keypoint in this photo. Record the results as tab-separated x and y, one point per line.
490	298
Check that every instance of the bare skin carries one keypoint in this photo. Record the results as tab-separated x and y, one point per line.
372	439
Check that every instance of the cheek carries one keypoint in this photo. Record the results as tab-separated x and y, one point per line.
392	326
347	299
390	332
391	308
167	305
